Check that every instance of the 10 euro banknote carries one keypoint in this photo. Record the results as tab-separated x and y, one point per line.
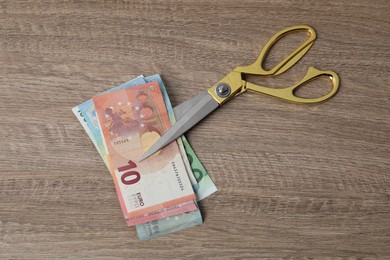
131	120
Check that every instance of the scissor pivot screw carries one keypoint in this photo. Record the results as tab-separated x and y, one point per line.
223	90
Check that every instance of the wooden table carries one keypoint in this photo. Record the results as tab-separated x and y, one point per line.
294	181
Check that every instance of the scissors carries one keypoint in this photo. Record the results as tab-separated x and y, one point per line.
190	112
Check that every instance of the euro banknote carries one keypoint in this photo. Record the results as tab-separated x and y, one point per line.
168	225
130	121
204	186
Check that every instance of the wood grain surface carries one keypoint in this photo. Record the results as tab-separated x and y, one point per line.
295	181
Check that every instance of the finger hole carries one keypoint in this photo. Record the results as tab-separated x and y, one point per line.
283	47
315	88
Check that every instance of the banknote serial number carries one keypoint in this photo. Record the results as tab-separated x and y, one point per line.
175	170
124	140
128	175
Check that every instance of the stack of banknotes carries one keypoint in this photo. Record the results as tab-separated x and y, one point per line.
158	195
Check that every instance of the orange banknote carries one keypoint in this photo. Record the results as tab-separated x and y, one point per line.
131	120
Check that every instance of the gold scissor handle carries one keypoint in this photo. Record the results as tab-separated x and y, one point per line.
289	92
237	85
257	67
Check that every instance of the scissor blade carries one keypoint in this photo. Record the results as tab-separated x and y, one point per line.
205	106
183	108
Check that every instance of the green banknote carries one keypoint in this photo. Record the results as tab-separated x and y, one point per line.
205	186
